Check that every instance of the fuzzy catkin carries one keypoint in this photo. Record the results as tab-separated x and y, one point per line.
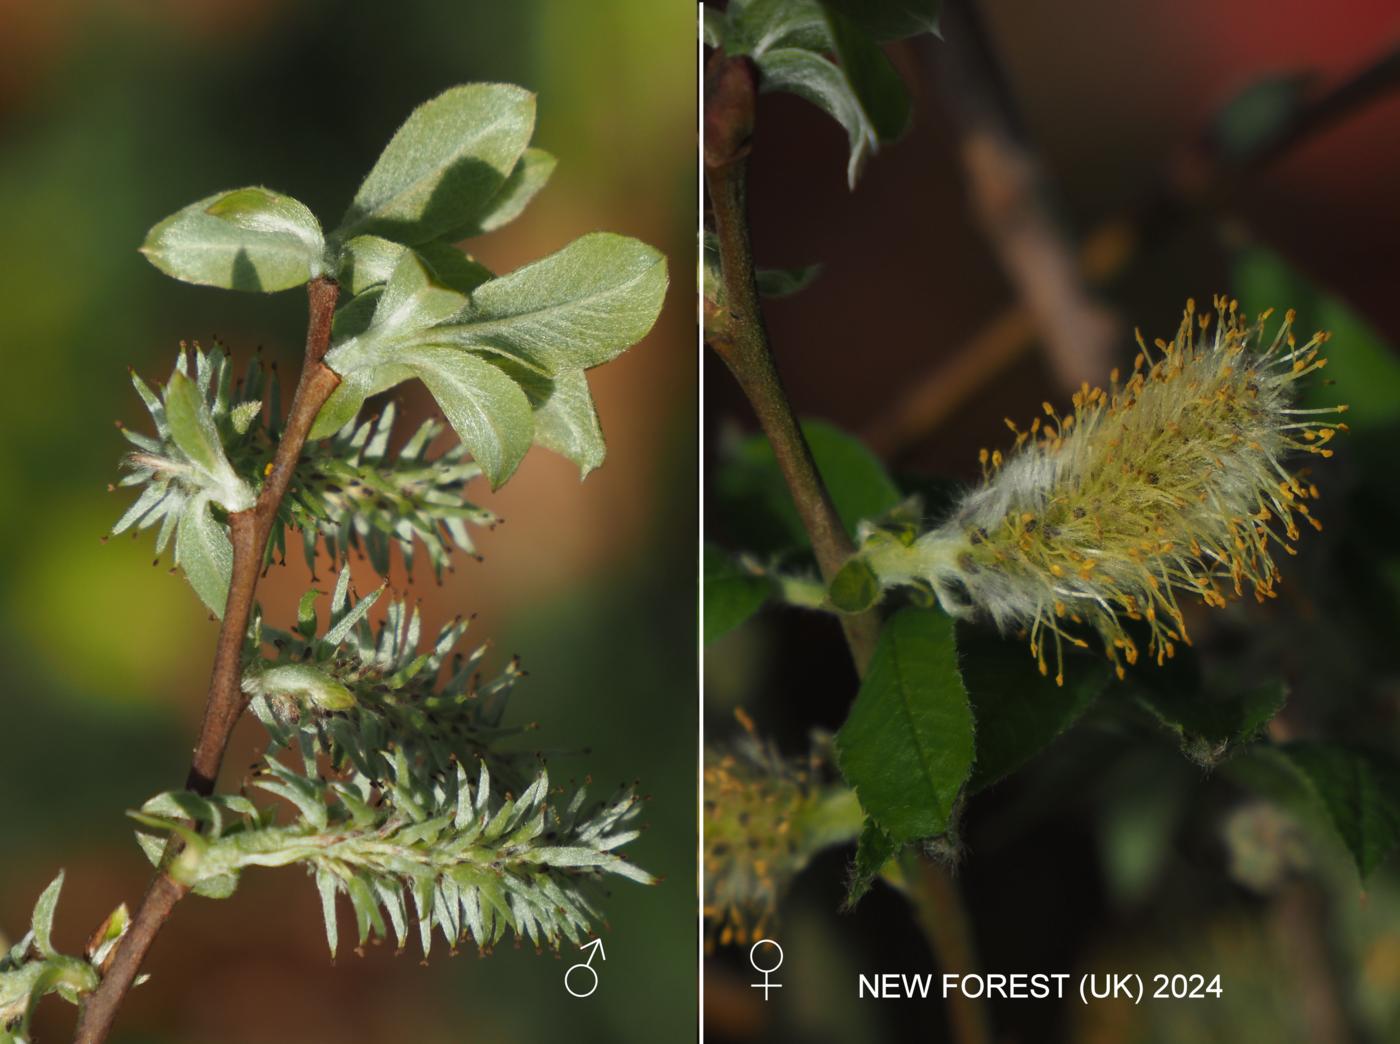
1172	483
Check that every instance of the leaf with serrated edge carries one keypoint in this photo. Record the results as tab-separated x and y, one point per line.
450	157
907	745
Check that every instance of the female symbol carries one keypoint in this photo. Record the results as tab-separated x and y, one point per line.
765	985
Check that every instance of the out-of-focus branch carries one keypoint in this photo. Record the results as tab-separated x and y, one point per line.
1202	179
1012	200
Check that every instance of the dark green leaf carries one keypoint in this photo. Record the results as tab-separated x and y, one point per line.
1019	711
1360	791
907	746
1356	791
855	587
731	593
1208	722
872	77
247	239
758	26
444	165
874	849
820	82
751	489
891	19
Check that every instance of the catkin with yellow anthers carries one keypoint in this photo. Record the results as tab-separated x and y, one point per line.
764	818
1172	483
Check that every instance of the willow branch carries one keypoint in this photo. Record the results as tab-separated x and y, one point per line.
743	343
249	532
741	340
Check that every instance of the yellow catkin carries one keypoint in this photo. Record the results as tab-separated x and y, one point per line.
1174	482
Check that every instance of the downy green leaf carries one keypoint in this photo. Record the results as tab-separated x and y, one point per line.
369	261
891	19
874	850
873	78
820	82
247	239
731	594
41	924
574	309
532	172
193	431
203	551
907	746
487	409
757	27
565	419
449	159
1210	720
302	682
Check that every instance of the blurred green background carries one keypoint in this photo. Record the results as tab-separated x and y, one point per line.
114	114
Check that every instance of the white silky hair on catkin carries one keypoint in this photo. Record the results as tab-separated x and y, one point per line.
1171	482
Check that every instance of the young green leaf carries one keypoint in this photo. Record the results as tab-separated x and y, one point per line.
574	309
193	430
448	160
565	420
822	83
369	261
488	410
731	594
760	26
874	850
532	172
247	239
907	746
203	551
890	19
873	79
1018	710
41	924
413	299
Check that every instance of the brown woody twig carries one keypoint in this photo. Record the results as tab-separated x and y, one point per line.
249	532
